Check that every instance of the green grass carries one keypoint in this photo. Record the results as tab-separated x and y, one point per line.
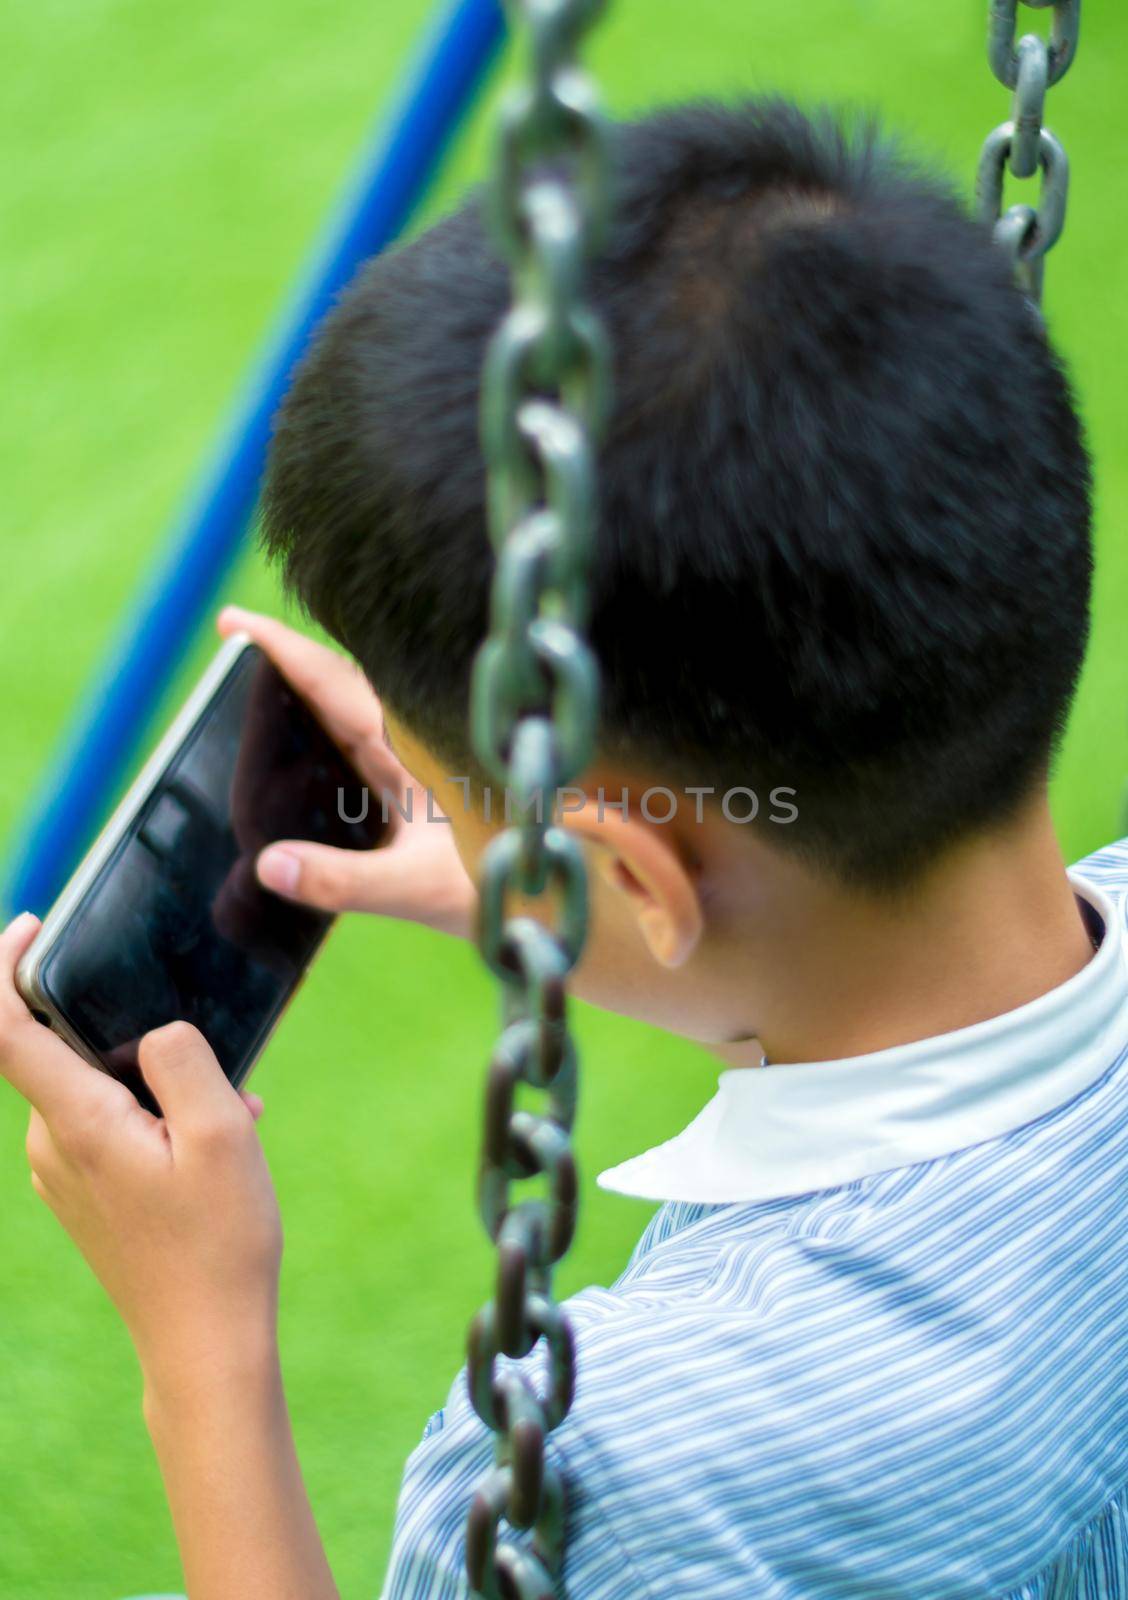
166	169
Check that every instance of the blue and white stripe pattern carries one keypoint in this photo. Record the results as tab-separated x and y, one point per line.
910	1386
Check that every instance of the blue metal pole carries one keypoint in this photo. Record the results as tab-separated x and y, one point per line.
103	742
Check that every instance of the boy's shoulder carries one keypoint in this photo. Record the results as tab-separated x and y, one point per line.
1107	868
711	1375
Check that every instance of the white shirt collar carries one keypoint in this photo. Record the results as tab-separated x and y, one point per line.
785	1130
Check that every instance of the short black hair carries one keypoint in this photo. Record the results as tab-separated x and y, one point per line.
843	529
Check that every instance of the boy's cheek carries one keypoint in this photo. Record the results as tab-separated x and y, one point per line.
471	836
471	830
617	971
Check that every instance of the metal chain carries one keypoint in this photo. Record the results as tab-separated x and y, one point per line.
1029	67
534	702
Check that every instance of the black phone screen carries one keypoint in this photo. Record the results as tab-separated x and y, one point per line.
176	925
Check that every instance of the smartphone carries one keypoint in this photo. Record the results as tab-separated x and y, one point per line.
165	919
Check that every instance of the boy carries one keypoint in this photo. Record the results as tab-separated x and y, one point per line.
875	1343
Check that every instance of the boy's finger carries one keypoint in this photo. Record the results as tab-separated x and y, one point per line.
34	1060
190	1086
332	880
331	684
15	939
253	1103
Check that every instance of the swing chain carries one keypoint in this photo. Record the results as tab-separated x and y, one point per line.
1023	144
533	713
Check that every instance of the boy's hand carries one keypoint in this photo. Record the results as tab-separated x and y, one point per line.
176	1217
416	873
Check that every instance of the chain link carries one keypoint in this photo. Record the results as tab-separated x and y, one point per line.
1023	145
533	711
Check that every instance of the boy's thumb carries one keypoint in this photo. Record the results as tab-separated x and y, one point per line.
188	1082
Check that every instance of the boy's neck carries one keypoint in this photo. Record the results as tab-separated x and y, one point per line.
994	927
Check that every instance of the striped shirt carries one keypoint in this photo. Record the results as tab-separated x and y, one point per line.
875	1344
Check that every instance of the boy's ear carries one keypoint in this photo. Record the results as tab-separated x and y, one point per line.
642	861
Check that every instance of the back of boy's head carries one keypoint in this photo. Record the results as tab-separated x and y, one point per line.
843	534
